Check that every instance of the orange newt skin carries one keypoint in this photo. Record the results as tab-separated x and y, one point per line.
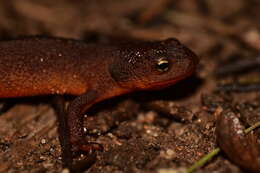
93	72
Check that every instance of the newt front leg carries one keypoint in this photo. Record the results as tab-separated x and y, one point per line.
75	120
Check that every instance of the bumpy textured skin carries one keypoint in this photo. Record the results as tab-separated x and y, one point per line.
40	66
94	72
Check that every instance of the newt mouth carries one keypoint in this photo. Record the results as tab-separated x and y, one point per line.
169	83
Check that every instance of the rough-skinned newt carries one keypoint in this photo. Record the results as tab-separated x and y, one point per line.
92	72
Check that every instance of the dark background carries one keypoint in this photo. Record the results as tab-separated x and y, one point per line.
143	132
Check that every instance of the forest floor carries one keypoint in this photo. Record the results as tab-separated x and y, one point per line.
145	132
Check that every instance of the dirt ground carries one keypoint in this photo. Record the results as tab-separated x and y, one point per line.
147	132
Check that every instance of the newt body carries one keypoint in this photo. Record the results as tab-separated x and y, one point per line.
93	72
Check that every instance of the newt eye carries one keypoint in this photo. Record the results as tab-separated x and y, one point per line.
162	65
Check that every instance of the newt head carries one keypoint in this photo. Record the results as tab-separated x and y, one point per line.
153	65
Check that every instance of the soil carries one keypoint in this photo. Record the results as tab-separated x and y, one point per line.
146	132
